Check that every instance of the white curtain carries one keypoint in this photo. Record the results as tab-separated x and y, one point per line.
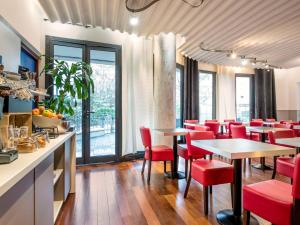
137	91
226	108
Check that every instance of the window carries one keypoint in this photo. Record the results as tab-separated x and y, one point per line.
243	100
207	95
179	77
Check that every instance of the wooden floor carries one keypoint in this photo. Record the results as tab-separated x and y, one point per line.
117	194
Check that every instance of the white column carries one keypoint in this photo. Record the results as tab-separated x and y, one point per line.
164	85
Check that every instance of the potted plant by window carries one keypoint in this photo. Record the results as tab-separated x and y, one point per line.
73	82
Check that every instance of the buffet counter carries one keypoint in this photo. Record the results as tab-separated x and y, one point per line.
38	182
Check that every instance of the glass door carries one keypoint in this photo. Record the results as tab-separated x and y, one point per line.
97	120
102	107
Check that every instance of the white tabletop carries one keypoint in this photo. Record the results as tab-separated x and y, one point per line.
289	141
296	127
174	132
270	123
202	123
264	129
242	148
13	172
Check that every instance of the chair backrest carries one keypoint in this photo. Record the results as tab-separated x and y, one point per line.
270	120
229	120
279	125
273	135
190	121
233	124
257	119
286	121
201	135
238	131
213	126
146	138
201	128
214	121
256	123
296	179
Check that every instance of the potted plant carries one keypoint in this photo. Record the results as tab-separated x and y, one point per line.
73	81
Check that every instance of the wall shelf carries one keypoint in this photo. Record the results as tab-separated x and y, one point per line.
57	174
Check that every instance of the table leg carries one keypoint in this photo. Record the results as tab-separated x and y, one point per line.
222	129
262	165
176	174
234	216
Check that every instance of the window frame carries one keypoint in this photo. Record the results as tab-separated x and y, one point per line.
181	68
250	94
214	90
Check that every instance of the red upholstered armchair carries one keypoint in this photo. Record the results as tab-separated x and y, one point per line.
195	153
274	201
282	165
227	125
190	121
207	172
213	126
154	153
270	120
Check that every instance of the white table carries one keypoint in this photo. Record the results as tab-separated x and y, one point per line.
270	124
175	133
295	142
237	150
263	131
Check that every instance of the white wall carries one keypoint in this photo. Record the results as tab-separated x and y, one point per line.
10	48
26	17
287	88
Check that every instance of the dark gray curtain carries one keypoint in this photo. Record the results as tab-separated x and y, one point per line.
190	90
264	95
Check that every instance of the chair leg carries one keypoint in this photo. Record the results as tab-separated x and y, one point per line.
274	169
187	185
165	166
231	193
149	172
249	161
143	168
246	217
245	163
186	168
205	200
172	168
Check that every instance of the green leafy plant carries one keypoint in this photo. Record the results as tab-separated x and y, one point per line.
73	81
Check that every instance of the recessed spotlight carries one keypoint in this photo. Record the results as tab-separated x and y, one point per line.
134	21
233	55
244	62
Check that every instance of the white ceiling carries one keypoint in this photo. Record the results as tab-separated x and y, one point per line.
265	29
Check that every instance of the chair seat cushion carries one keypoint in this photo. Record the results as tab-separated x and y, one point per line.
254	136
271	200
285	166
212	172
196	152
160	153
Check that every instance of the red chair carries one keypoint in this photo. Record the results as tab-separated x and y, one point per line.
190	121
239	131
207	172
270	120
228	135
209	121
196	153
280	125
227	125
256	123
213	126
201	128
154	153
282	165
273	200
286	121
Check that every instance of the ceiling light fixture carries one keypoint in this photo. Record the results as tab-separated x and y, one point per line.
141	5
244	59
134	21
